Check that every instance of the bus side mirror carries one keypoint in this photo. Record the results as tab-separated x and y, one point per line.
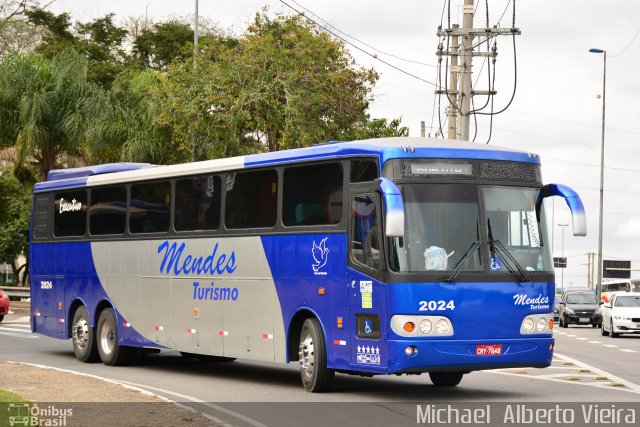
394	208
578	215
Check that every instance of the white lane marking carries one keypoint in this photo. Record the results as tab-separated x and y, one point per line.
562	333
583	339
571	336
19	335
202	402
11	328
595	342
630	387
627	350
611	346
144	389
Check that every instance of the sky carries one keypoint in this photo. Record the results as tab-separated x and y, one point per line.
556	111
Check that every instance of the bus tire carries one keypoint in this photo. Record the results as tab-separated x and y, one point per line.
1	317
445	379
312	352
110	352
83	337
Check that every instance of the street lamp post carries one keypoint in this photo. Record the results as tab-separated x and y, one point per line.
562	253
604	84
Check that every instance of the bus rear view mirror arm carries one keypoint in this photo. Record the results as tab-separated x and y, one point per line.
578	215
394	208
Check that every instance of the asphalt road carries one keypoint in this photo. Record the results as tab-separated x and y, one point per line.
587	368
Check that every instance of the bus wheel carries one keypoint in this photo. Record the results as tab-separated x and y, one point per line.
1	317
445	379
83	337
312	353
110	352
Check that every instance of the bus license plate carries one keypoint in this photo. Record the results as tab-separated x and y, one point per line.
584	320
488	349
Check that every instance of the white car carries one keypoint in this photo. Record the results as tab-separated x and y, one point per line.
621	315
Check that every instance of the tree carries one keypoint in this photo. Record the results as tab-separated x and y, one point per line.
128	129
282	85
16	33
15	199
46	107
158	46
375	128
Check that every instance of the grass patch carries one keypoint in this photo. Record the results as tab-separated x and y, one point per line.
7	397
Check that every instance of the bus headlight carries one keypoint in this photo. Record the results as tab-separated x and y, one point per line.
425	326
537	324
443	327
527	325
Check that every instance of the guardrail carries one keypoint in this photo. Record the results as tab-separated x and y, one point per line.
15	291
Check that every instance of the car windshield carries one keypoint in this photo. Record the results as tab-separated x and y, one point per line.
584	298
628	301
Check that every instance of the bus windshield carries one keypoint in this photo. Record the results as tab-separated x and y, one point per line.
443	221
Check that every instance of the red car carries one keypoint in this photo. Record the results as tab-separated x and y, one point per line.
4	305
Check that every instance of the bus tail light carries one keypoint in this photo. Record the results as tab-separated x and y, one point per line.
409	327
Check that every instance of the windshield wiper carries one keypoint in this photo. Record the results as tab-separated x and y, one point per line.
497	246
457	268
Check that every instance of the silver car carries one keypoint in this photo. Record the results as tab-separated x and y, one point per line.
621	315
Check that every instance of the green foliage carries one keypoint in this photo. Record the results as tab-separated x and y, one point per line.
100	41
282	85
46	106
15	199
128	131
375	128
158	46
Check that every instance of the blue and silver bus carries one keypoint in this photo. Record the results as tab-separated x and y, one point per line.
381	256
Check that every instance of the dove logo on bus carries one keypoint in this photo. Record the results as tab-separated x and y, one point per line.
320	254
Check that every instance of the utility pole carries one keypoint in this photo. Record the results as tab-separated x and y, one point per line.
467	63
453	87
460	88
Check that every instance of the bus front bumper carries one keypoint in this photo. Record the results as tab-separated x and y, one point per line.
468	355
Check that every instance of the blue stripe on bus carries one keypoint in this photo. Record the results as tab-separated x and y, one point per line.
60	184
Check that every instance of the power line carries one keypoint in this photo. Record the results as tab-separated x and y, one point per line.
355	46
360	41
628	46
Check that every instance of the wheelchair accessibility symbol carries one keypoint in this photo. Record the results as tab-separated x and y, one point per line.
367	327
496	264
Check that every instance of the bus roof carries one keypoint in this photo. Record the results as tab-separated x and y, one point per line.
383	148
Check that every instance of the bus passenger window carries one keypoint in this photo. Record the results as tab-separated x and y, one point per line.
149	207
108	211
364	170
197	203
365	237
70	215
313	195
251	200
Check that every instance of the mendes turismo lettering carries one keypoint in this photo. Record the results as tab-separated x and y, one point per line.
177	260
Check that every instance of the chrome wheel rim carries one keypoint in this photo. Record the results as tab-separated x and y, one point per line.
107	339
306	356
81	334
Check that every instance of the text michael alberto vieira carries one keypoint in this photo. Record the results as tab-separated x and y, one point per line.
515	414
